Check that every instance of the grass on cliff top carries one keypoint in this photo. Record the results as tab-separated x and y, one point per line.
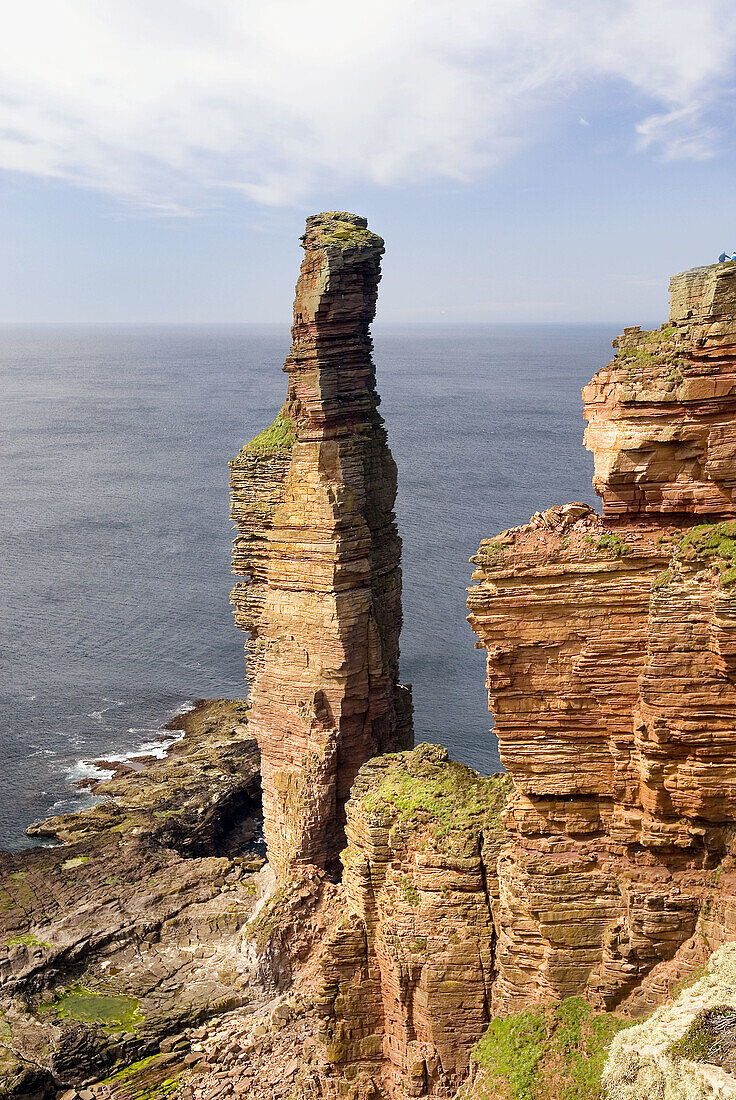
657	350
339	230
119	1013
425	783
645	344
556	1053
712	540
709	1037
277	439
350	236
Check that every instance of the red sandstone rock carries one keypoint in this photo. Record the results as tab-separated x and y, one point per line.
407	971
312	499
661	416
611	678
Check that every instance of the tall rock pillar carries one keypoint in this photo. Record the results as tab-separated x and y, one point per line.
312	500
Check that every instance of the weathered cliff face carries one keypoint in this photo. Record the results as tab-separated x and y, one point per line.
312	499
406	975
611	678
661	420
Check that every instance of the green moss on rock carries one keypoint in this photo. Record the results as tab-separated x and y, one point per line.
424	785
712	542
555	1053
613	544
27	940
150	1078
340	229
277	439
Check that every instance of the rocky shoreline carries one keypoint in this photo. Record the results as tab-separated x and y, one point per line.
127	931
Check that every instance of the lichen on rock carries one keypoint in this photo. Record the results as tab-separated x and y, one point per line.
686	1049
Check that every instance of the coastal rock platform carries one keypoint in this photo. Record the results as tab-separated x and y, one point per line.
132	927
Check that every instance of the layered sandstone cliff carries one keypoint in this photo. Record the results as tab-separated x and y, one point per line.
661	416
612	680
312	500
406	975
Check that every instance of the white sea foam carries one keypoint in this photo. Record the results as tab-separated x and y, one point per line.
157	746
85	772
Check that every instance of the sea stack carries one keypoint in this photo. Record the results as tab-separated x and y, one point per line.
312	500
611	647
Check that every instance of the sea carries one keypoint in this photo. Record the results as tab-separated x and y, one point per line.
115	535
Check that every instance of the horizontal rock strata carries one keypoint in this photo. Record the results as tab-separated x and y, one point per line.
661	416
406	974
312	500
611	680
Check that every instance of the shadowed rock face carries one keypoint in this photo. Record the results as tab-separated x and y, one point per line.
312	499
612	680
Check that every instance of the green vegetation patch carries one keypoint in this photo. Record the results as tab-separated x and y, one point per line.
657	354
351	236
27	940
116	1012
144	1080
710	541
277	439
411	894
556	1053
338	228
76	861
426	784
613	544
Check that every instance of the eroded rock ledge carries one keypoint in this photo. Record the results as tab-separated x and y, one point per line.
612	681
312	500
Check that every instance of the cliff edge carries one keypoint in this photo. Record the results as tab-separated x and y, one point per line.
612	681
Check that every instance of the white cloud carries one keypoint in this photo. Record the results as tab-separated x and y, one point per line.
165	103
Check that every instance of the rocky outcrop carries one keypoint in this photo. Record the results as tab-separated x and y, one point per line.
312	500
118	942
406	974
611	678
661	416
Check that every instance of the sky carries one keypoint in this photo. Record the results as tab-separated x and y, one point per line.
525	160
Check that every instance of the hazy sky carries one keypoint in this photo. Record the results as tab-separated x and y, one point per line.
524	159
